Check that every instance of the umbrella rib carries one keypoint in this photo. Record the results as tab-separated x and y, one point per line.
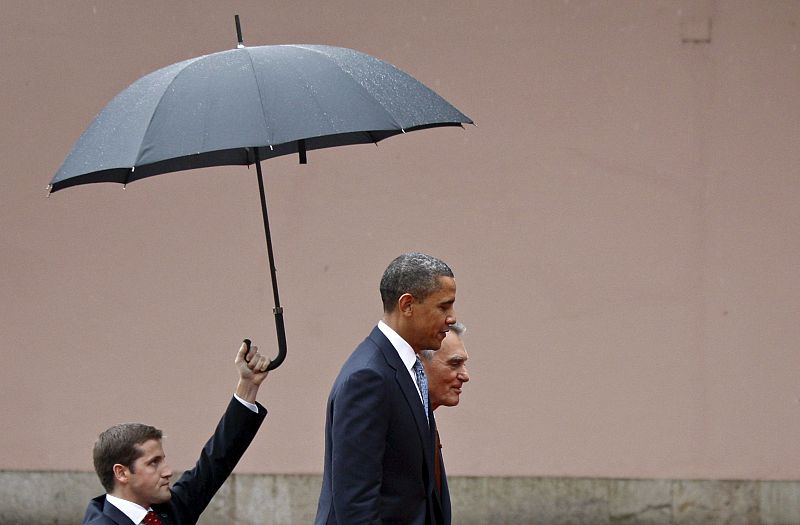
267	140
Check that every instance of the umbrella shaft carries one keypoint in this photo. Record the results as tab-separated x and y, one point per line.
266	231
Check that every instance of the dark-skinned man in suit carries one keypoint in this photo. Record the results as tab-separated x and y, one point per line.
379	437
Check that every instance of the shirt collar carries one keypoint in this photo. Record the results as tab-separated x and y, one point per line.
135	512
404	349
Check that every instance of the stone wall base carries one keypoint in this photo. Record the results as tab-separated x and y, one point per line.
39	498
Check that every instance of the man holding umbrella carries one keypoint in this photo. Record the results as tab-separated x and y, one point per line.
379	431
130	461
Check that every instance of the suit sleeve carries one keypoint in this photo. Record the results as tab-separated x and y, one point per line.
360	422
192	493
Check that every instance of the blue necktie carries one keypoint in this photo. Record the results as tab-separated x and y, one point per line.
422	382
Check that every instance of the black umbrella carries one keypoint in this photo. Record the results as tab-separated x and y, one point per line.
247	104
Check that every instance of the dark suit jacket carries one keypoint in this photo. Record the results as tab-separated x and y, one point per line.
192	493
378	444
444	497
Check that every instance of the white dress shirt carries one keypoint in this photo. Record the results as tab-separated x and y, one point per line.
248	404
135	512
405	351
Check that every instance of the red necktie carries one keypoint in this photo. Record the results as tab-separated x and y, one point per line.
152	519
437	468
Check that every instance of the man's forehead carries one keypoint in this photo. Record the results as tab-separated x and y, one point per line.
151	447
452	349
447	286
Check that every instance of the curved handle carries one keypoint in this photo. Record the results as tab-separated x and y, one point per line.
281	332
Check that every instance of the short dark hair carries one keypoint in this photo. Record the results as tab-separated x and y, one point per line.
414	273
118	444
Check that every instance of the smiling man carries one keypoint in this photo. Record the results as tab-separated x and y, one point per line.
379	429
446	369
129	460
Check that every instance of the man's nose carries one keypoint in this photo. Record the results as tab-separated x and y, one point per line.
464	375
167	472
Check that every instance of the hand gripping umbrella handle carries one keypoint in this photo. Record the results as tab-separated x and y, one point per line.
275	363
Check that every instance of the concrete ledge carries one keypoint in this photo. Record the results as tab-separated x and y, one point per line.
39	498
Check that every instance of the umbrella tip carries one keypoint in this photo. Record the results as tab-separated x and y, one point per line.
240	45
49	190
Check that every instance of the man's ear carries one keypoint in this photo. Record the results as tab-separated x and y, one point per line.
406	304
121	473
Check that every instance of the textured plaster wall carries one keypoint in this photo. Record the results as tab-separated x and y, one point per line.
622	224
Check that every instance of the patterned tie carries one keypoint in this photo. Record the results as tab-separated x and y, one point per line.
152	519
422	382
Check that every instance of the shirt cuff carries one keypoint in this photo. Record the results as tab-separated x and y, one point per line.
252	406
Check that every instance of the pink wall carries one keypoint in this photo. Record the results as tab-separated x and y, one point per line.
622	224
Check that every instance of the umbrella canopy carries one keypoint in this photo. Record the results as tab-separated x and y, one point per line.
215	109
247	104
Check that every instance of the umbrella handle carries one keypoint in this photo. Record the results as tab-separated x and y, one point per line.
281	333
275	363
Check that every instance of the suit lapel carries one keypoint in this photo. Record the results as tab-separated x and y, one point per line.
116	515
119	517
412	398
407	386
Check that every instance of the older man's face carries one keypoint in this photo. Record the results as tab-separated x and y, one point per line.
447	371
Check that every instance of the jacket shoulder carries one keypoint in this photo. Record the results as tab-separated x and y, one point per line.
94	512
